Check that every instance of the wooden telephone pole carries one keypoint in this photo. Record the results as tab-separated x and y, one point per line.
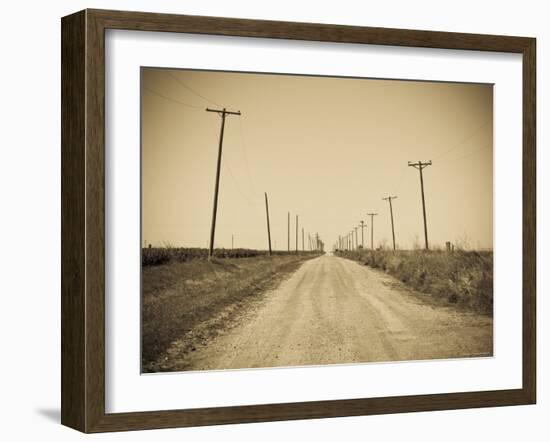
296	234
362	234
223	113
420	166
388	199
268	230
288	231
372	215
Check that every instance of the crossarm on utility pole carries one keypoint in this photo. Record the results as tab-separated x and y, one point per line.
223	111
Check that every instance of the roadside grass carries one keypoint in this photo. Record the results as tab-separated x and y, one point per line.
161	255
462	278
179	296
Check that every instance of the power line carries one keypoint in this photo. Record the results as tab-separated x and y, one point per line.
251	195
237	187
181	83
171	99
473	152
225	162
460	143
243	194
244	149
399	181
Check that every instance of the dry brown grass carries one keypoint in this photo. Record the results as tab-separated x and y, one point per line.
463	278
161	255
180	296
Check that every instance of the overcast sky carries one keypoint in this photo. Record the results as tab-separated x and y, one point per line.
327	149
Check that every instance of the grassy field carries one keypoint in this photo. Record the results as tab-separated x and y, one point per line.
195	298
161	255
463	278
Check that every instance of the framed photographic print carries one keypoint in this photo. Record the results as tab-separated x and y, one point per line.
270	220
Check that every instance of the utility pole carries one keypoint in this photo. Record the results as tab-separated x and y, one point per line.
356	239
317	241
231	241
288	231
296	234
303	244
420	166
372	215
223	114
388	199
268	230
362	234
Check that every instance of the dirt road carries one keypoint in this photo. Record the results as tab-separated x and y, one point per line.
332	310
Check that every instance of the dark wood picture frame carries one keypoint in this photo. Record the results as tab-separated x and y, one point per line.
83	220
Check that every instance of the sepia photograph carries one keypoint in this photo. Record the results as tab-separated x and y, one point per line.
299	220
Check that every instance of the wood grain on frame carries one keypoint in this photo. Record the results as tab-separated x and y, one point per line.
83	219
73	210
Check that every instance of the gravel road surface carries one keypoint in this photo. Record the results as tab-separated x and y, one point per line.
334	311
